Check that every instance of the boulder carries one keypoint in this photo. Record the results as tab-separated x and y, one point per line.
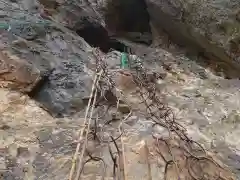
70	79
210	28
47	61
67	85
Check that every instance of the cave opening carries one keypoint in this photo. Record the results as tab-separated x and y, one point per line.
127	16
97	36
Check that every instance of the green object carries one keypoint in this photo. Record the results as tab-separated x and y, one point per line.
4	26
124	61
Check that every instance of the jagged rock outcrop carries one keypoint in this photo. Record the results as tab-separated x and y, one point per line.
47	61
50	50
210	27
54	66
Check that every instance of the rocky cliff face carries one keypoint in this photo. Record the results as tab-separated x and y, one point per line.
47	63
210	27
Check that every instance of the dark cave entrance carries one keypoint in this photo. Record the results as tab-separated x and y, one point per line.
127	16
97	36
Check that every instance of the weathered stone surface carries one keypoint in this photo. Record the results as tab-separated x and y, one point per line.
34	145
70	78
62	58
209	27
50	141
50	64
16	73
65	88
74	14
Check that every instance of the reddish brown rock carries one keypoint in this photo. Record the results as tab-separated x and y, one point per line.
16	73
